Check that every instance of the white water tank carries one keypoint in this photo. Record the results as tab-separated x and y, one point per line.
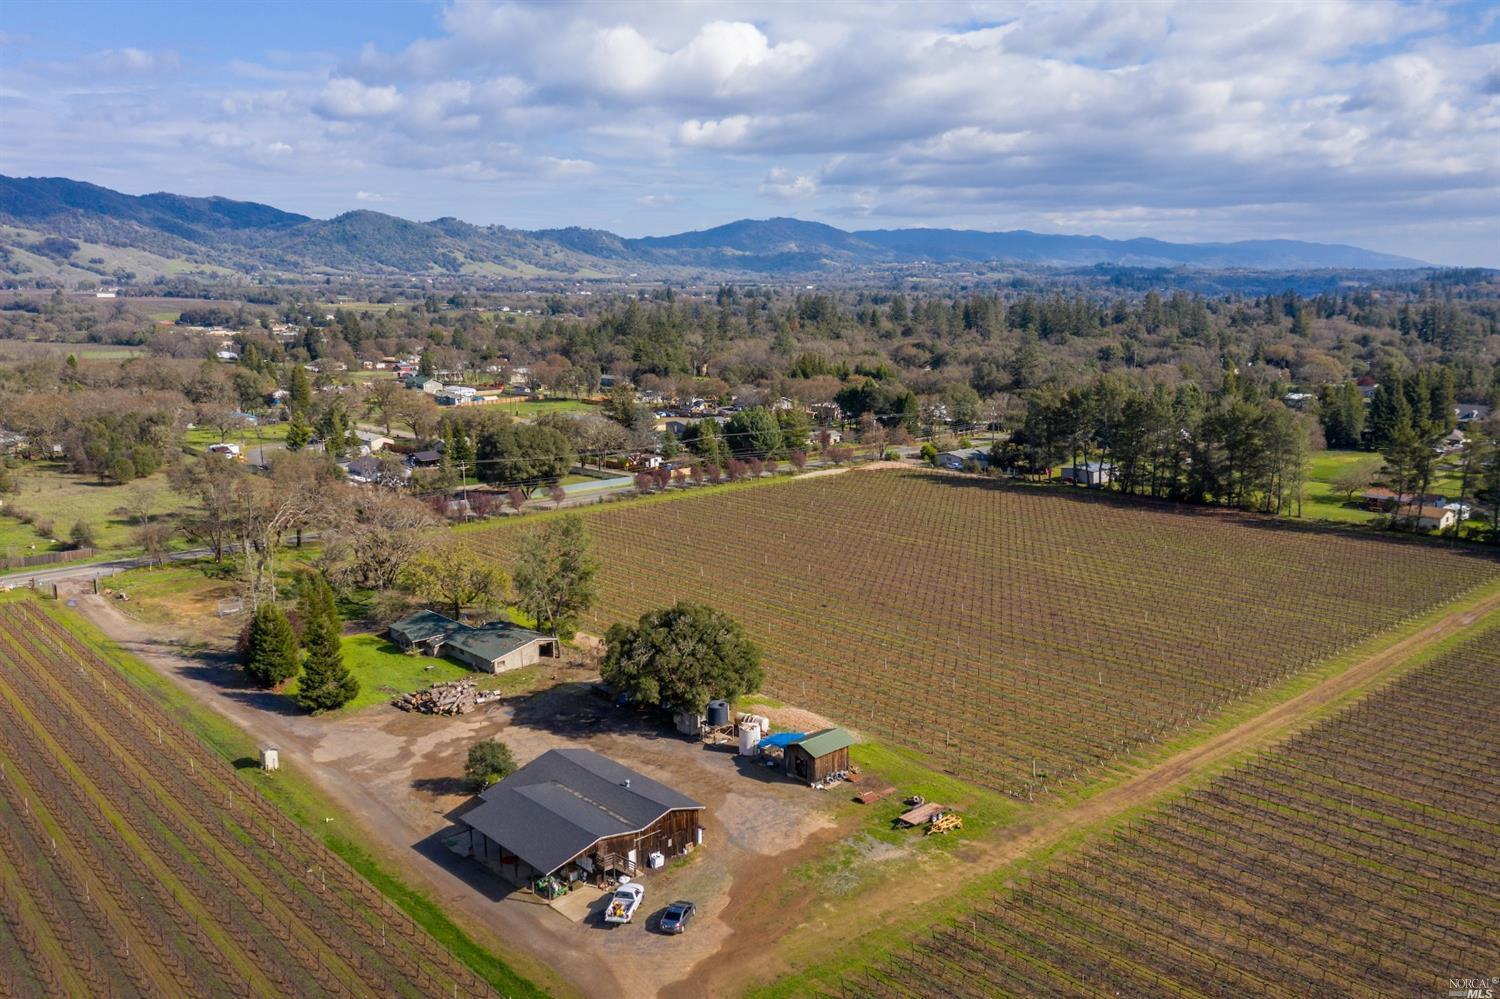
749	738
270	758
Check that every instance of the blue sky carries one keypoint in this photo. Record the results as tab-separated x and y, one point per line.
1363	122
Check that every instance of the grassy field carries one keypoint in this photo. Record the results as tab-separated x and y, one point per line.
528	409
64	498
1322	502
247	436
1021	638
319	824
14	349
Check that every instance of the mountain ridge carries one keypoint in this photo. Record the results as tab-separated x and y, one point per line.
249	236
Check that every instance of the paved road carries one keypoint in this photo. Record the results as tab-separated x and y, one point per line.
46	576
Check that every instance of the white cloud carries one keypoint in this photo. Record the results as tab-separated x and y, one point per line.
723	134
371	197
1329	119
780	183
348	98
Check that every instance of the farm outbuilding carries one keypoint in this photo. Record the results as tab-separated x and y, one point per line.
814	757
494	648
498	647
573	813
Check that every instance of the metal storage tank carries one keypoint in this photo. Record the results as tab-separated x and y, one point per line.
749	738
718	712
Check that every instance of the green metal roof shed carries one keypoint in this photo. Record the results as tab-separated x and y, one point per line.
822	743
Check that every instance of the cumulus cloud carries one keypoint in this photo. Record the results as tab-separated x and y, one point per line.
371	197
344	97
780	183
1346	120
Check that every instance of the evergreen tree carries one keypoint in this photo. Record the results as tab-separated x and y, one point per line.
1342	414
299	391
1443	402
326	681
298	433
1389	413
271	652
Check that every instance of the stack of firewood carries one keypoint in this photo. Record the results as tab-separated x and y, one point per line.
455	697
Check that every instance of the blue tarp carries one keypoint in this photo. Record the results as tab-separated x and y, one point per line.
781	740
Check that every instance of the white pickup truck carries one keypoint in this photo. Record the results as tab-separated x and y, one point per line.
624	903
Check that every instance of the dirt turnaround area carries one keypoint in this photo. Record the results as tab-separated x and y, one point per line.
395	774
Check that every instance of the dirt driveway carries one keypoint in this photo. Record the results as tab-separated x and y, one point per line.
397	775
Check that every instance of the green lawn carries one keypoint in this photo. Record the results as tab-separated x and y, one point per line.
526	409
384	671
200	437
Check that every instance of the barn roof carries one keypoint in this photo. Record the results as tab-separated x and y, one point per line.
494	640
424	626
830	740
565	801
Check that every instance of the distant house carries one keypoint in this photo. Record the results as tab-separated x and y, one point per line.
370	441
422	383
229	450
1436	518
827	435
424	459
573	814
1470	413
13	443
1383	500
675	427
1298	400
372	471
964	458
813	757
1093	474
494	648
457	395
227	356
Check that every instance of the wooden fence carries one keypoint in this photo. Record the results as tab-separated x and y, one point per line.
46	558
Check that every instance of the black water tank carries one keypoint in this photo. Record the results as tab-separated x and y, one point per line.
718	712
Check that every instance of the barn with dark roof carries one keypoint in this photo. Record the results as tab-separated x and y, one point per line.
575	814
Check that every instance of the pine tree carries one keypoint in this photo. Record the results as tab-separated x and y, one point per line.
271	652
326	681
